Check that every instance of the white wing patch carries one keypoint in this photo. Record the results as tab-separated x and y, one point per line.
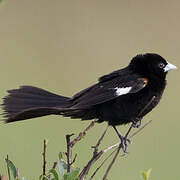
122	90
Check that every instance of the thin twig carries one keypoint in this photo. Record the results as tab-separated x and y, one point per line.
118	144
86	169
116	155
111	147
102	162
129	130
99	142
70	145
130	137
69	152
54	165
82	134
95	157
73	161
8	169
44	158
112	162
147	105
140	129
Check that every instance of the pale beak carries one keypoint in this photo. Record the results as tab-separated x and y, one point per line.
169	67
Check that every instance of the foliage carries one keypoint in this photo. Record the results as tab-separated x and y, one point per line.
60	173
146	174
52	174
63	168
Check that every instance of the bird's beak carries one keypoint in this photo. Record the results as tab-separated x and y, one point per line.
169	67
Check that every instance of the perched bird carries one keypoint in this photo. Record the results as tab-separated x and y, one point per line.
121	97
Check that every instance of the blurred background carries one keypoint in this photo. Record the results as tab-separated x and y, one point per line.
64	46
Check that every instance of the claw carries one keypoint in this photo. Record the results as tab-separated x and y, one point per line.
124	144
123	141
136	123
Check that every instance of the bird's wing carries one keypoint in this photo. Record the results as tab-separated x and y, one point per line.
108	90
113	75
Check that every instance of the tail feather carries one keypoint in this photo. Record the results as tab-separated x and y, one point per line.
30	102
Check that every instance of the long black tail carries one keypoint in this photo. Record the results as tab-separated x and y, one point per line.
30	102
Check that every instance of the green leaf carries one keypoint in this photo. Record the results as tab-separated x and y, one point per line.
43	177
12	168
73	175
62	166
62	156
146	174
53	171
40	177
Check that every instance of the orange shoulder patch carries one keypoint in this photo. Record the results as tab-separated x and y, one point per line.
145	81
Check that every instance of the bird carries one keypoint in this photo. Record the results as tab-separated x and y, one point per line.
121	97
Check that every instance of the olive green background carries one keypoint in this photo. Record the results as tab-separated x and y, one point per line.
64	46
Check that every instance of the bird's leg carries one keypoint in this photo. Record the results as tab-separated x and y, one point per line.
123	139
136	123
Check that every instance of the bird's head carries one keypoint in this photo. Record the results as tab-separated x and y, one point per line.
151	65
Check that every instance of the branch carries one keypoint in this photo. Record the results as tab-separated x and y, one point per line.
86	169
116	155
120	146
70	145
94	158
96	155
69	152
112	162
130	137
44	158
73	161
53	167
147	105
140	129
82	134
99	142
102	163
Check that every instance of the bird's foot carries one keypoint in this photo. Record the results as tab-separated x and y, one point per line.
123	140
136	123
124	143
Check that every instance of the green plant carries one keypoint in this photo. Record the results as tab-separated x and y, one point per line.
63	168
146	174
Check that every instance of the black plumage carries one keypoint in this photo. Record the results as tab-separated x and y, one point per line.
117	98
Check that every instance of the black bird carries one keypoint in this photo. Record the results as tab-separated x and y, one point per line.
121	97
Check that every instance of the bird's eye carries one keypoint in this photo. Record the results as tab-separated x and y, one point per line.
161	65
